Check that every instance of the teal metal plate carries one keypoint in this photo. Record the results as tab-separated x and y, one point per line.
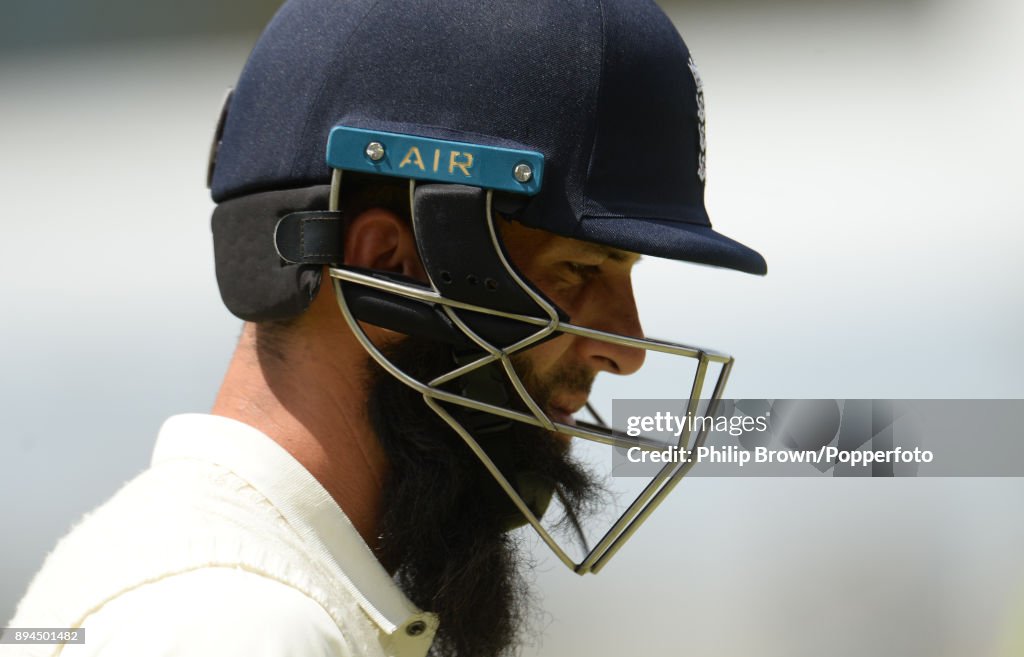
438	160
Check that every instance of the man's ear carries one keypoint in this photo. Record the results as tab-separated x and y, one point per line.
379	239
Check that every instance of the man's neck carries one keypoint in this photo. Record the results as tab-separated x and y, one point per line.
312	402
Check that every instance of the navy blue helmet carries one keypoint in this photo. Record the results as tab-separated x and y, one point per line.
584	118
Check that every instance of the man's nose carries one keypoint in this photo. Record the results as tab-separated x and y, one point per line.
618	315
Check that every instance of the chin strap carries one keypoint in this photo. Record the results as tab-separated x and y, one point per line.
311	238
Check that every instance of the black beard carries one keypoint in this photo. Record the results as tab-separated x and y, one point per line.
442	526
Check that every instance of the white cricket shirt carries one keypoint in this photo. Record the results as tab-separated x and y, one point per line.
225	546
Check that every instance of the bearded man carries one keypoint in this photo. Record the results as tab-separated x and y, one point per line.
428	215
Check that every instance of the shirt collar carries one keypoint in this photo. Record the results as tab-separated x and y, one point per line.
307	507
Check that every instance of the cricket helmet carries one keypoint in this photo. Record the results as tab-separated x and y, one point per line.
584	118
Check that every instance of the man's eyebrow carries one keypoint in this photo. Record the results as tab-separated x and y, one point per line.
612	253
618	255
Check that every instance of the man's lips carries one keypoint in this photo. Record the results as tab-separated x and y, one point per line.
562	411
561	416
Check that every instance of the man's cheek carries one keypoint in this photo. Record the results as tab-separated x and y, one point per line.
545	358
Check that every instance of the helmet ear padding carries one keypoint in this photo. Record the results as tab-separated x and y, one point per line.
454	240
255	283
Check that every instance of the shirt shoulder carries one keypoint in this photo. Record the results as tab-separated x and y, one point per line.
221	497
214	611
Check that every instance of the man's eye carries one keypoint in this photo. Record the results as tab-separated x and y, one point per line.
583	270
